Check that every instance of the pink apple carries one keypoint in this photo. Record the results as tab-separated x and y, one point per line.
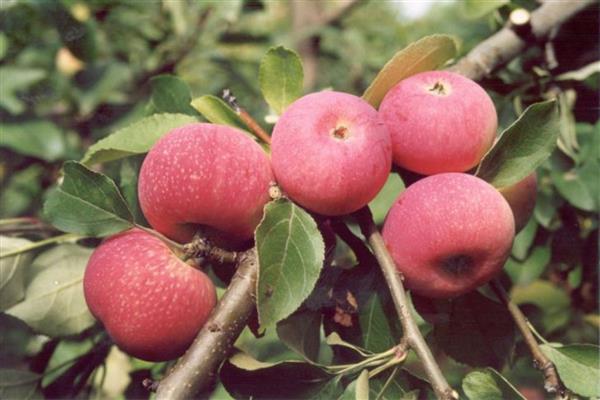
331	153
439	121
205	175
151	303
521	197
449	234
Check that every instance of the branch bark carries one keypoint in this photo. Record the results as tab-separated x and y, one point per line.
412	334
507	44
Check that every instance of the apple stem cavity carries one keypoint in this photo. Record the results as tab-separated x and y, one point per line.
340	132
439	89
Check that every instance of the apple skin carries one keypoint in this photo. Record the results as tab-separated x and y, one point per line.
449	234
331	153
439	121
151	303
205	174
521	197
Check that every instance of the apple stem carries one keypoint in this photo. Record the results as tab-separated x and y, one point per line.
256	129
412	334
202	247
552	382
176	247
196	369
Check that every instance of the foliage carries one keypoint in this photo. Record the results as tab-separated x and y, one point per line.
101	81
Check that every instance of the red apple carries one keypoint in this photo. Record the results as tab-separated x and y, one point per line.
151	303
521	197
205	175
331	153
439	121
449	234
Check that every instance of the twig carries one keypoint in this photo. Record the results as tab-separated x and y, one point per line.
507	44
258	131
196	369
552	382
411	330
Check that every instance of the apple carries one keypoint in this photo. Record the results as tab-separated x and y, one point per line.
205	176
521	197
439	121
331	153
448	234
151	303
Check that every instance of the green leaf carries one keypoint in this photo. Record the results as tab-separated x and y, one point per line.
525	272
16	79
40	139
12	272
3	45
358	389
54	304
523	146
301	332
87	203
280	77
425	54
578	366
290	256
580	186
381	204
128	183
19	384
550	299
490	385
524	239
477	8
171	95
475	330
23	190
217	111
580	74
136	138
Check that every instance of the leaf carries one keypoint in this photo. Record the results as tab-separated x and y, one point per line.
136	138
579	186
475	9
425	54
246	377
217	111
301	332
477	330
171	95
290	257
522	147
19	384
12	272
128	183
87	203
578	366
489	384
525	272
54	304
358	389
14	80
580	74
524	239
381	204
550	299
39	139
22	191
280	77
334	339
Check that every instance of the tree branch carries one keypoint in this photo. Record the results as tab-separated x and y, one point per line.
196	369
412	334
507	44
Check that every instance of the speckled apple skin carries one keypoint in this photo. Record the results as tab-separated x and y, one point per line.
521	197
151	303
323	173
205	174
445	216
433	133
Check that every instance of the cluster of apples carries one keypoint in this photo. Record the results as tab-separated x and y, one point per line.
332	152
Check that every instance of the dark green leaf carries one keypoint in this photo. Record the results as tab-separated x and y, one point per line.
280	77
578	366
381	204
40	139
217	111
301	332
136	138
128	182
87	203
523	146
171	95
358	389
14	80
550	299
290	255
19	384
54	304
425	54
78	36
23	189
490	385
12	272
525	272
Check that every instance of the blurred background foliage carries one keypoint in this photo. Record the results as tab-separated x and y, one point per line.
72	72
